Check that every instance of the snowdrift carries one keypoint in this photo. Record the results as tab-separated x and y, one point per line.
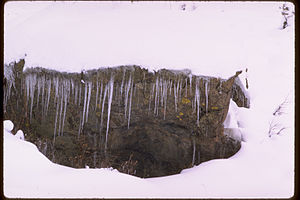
242	35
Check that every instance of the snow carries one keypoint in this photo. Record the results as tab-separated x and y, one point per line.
20	135
239	176
152	35
8	125
211	39
231	120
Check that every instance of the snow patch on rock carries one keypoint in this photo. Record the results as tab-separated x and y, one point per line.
20	135
8	125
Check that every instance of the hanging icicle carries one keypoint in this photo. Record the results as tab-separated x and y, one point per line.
10	82
55	83
79	99
39	86
206	95
48	96
102	109
66	98
110	95
165	96
55	124
171	84
129	112
151	97
127	88
88	101
197	100
186	88
43	91
176	94
161	92
122	85
190	77
76	94
180	89
101	90
61	110
30	85
97	90
84	104
156	100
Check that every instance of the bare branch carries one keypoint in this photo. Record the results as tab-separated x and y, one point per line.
275	128
280	109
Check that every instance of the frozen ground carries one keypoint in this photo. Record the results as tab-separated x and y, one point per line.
211	39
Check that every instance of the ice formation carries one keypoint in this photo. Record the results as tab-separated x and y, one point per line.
10	82
110	95
107	90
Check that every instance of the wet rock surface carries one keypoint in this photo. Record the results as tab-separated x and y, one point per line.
141	123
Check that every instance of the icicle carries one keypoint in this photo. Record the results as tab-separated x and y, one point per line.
122	84
186	87
127	88
10	82
57	108
56	80
43	91
73	87
88	102
151	96
110	95
27	83
165	96
32	83
171	84
194	151
39	85
75	94
156	100
176	94
48	96
103	104
161	92
97	90
63	123
61	109
79	99
66	97
84	104
197	100
180	88
177	88
157	95
206	96
129	112
101	90
190	77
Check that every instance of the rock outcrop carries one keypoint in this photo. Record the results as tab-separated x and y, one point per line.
142	123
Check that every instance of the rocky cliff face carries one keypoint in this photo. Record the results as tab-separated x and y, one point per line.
141	123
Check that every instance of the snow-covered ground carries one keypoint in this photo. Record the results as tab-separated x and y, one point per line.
210	39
